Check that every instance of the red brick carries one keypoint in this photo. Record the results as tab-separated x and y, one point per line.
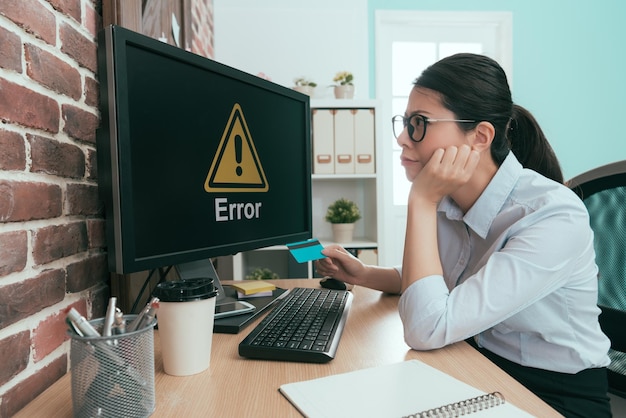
22	393
80	124
99	298
67	7
14	352
202	29
13	155
87	273
52	72
53	157
93	20
81	307
23	299
26	201
83	199
92	165
75	45
24	106
49	335
10	51
32	16
57	241
96	233
13	253
91	92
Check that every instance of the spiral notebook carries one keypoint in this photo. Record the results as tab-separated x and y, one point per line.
407	389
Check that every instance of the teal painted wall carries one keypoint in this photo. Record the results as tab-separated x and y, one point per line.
569	70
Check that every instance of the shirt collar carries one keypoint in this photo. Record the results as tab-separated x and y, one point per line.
481	215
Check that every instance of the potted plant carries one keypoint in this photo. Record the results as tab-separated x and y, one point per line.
262	273
344	89
342	214
304	85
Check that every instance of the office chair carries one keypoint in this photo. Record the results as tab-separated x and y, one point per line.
603	190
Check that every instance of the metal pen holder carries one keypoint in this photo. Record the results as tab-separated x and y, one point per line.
113	376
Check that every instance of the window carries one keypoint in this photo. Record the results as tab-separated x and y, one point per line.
406	43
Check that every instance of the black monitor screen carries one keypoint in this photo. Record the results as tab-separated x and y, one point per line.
196	159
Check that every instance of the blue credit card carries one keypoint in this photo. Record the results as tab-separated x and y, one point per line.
308	250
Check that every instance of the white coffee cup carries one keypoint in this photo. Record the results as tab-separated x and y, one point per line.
185	321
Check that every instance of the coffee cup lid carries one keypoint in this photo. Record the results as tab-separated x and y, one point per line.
185	290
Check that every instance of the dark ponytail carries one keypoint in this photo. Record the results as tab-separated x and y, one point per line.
531	146
475	87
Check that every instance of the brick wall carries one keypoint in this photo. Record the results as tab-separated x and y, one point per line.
202	28
52	253
52	244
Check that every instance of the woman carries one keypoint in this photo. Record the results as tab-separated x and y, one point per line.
494	253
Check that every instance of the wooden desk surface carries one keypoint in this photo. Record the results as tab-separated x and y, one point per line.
238	387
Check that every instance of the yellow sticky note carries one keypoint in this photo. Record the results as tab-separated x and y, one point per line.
249	287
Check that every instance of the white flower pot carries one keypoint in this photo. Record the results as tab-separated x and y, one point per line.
345	91
308	90
343	232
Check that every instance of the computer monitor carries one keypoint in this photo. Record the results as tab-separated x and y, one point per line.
196	159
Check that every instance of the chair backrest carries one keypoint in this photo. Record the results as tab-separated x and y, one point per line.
603	191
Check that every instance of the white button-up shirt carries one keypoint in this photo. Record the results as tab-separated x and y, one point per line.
519	274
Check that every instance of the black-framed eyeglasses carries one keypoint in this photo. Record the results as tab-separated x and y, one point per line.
416	125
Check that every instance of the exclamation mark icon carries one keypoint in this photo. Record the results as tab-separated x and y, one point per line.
238	150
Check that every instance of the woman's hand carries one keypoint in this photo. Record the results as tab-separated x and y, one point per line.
446	171
340	264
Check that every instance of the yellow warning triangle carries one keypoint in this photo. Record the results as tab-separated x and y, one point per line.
236	166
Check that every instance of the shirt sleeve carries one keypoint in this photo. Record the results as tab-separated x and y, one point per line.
537	255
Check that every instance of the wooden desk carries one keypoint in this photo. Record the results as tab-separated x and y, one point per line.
238	387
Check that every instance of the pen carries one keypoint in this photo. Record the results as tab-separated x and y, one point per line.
109	318
120	323
81	323
150	314
134	324
73	327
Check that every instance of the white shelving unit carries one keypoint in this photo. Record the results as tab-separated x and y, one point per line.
363	189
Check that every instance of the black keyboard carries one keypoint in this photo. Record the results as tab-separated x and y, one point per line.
305	326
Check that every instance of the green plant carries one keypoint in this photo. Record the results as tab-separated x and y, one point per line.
261	273
343	78
343	211
303	81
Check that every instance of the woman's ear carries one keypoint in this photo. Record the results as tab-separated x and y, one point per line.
483	136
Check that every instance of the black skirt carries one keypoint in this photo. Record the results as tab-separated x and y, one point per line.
583	394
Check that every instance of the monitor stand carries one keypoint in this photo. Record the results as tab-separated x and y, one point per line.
184	271
202	268
233	324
